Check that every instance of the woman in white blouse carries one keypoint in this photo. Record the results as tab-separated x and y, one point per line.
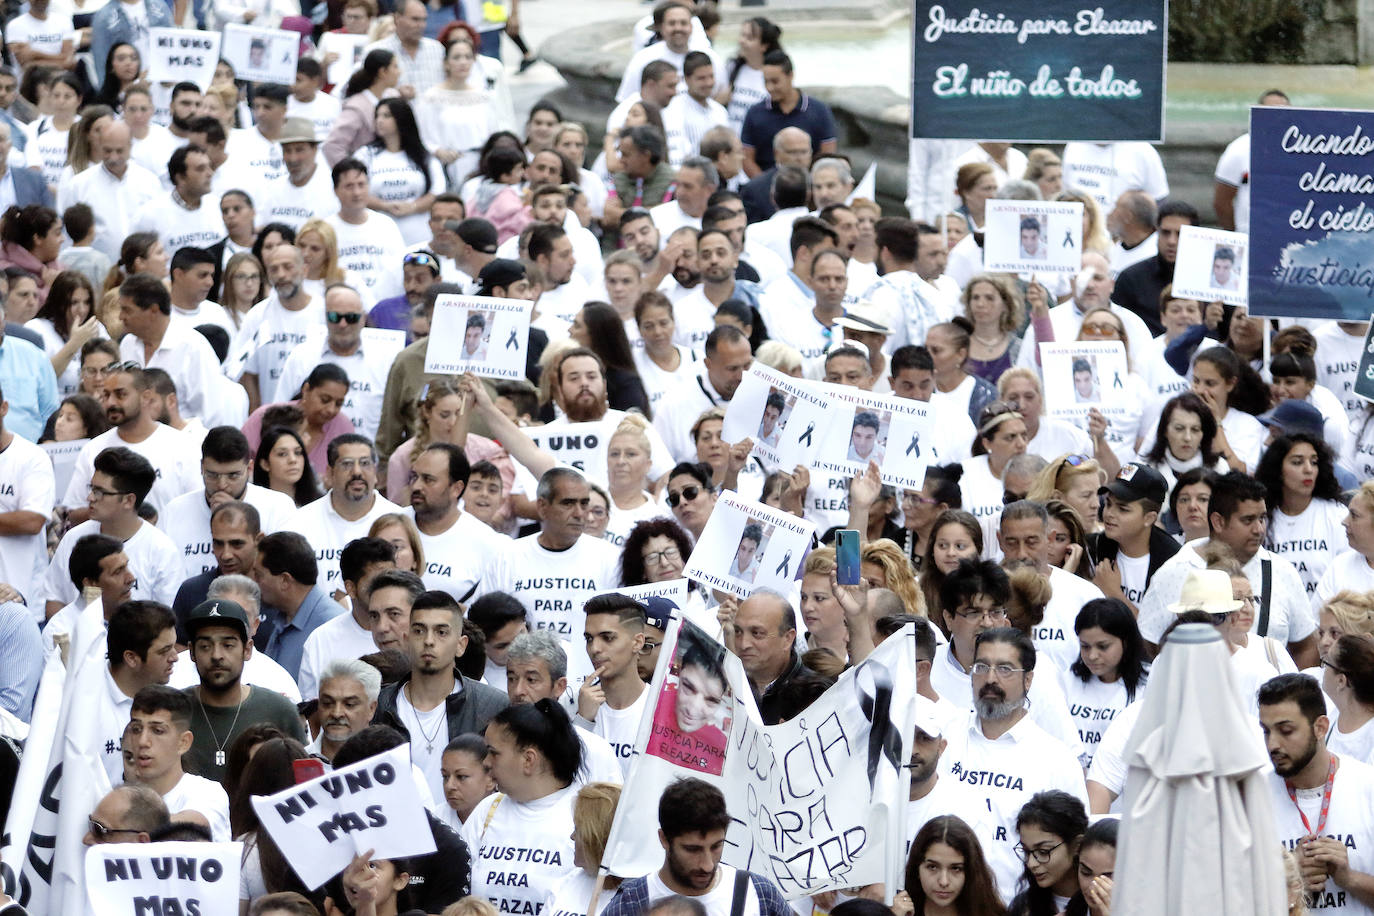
457	115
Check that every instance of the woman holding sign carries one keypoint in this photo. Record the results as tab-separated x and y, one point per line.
521	838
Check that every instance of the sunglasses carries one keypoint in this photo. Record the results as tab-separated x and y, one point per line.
688	494
350	317
1074	461
423	258
100	831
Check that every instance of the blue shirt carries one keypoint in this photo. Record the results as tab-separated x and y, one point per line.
764	120
287	641
29	385
21	659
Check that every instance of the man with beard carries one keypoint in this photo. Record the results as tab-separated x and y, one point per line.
347	510
457	546
580	393
696	182
1002	756
930	796
692	822
565	292
273	328
224	707
186	98
188	216
306	190
348	700
728	357
260	670
680	257
1321	802
1024	536
717	259
639	234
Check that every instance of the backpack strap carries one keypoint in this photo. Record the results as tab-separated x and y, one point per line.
741	892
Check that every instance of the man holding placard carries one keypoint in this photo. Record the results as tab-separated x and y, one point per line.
1092	289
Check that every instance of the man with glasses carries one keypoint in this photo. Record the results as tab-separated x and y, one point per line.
347	510
366	366
226	467
1002	756
128	814
691	496
765	639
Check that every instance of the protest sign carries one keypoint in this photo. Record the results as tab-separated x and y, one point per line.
816	804
1026	236
479	334
675	590
322	824
786	417
152	879
1049	72
63	456
897	433
1210	266
177	55
1364	375
349	51
1085	374
261	55
747	545
1310	213
578	445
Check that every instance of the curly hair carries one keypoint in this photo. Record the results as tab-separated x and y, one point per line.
897	571
632	570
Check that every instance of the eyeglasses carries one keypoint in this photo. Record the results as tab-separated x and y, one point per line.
992	613
101	492
1251	600
362	464
95	371
100	831
350	317
1041	854
251	278
1326	663
919	499
649	647
688	494
666	555
1003	671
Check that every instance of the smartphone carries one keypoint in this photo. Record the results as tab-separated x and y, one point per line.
307	769
847	556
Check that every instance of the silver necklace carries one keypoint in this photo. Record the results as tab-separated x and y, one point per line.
219	747
420	723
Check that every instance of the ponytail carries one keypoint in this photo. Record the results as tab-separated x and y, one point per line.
544	725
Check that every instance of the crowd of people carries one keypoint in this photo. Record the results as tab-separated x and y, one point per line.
216	422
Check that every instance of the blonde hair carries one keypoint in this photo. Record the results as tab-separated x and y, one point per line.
469	905
1219	556
1013	308
820	562
777	355
383	522
570	127
1293	883
1354	611
228	95
1365	492
430	396
593	812
1059	474
551	357
863	203
1096	238
1011	375
1030	594
1039	159
635	426
330	272
1120	329
710	413
901	581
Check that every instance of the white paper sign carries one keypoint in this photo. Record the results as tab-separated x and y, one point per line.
1086	374
1032	236
143	879
322	824
350	51
786	417
63	456
177	55
747	546
895	432
1211	266
261	55
578	445
675	590
479	334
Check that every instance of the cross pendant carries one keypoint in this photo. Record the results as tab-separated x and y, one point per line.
219	758
429	748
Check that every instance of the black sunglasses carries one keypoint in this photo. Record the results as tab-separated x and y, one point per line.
100	831
350	317
688	493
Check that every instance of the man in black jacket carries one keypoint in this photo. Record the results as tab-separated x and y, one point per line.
1138	286
1131	547
765	641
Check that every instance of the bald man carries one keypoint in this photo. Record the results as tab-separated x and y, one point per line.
1092	290
117	190
270	332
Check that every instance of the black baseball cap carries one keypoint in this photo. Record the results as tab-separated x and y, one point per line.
478	233
1138	481
218	612
500	272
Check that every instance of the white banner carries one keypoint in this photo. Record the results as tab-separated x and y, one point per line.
261	55
155	879
817	804
1212	266
349	49
747	545
1085	374
895	432
322	824
177	55
786	417
578	445
1031	236
479	334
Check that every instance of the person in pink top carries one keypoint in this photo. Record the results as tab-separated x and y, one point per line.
315	414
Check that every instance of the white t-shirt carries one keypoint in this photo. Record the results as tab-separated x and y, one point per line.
1358	743
367	369
456	559
1135	572
1054	636
659	382
253	155
269	333
1233	170
1108	170
46	149
153	152
428	737
982	492
44	36
294	204
1338	358
1246	436
205	312
623	520
329	532
322	111
372	252
393	177
187	523
520	851
173	455
747	92
1349	570
1093	705
553	585
1310	539
599	761
1352	798
1056	437
620	727
1109	762
153	559
196	793
718	901
571	895
948	796
177	227
338	637
26	485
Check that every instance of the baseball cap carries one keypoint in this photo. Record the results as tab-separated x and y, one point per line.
478	233
499	272
1138	481
1294	416
658	611
218	612
864	316
297	130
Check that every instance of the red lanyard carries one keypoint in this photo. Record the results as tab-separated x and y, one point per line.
1326	800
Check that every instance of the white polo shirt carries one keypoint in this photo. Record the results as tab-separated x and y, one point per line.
175	458
187	357
196	793
1349	570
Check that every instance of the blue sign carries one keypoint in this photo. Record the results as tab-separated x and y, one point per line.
1045	72
1311	219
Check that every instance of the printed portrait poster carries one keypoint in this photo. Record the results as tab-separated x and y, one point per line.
1028	236
786	417
1364	374
693	711
894	432
261	55
747	545
123	879
1211	266
182	55
1082	375
349	49
479	334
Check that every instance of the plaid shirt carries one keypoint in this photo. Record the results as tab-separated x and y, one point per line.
424	70
632	898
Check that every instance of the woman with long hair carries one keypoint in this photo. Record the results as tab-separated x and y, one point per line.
1110	670
404	177
355	127
1185	439
1096	866
400	532
535	759
66	322
31	239
949	344
947	873
269	237
599	328
319	247
975	184
1235	394
1068	540
46	148
1050	827
221	102
264	869
663	366
627	471
79	416
820	609
994	306
1095	235
883	564
150	144
375	887
1001	436
593	813
243	286
1074	480
457	115
1047	171
82	142
744	73
1293	376
954	535
141	253
320	403
280	464
123	68
920	508
1305	511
